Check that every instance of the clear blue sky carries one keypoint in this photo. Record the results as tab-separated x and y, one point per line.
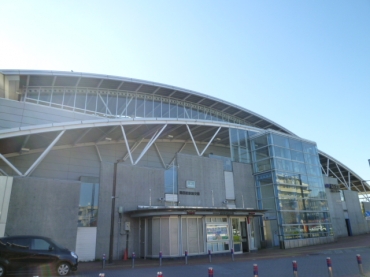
303	64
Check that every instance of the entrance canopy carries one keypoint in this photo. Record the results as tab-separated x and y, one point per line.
147	211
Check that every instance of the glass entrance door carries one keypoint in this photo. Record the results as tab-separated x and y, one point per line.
244	235
237	237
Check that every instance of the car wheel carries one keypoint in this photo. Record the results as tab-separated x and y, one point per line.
2	270
63	269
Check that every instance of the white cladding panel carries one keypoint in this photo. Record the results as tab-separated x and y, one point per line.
229	185
86	243
5	190
171	197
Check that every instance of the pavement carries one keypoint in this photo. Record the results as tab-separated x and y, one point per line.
355	244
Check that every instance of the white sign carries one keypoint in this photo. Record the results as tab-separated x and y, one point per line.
127	226
171	197
190	184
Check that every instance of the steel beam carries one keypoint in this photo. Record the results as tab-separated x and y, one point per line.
43	155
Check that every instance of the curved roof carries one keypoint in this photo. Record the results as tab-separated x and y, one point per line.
202	129
46	78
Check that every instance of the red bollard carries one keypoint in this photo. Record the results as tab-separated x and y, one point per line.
359	262
255	270
210	272
295	269
330	270
159	274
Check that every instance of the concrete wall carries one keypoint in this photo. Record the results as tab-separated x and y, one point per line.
335	205
208	175
340	210
244	184
336	213
357	219
135	186
44	207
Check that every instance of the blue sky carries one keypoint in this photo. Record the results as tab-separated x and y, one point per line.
303	64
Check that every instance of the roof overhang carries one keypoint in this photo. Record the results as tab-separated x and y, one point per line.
152	211
75	80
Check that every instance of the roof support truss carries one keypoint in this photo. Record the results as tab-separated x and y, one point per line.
135	145
38	160
195	145
151	141
107	110
43	155
11	165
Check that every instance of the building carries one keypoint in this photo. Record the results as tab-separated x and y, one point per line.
112	165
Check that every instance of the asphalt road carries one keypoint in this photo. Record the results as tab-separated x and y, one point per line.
311	261
344	264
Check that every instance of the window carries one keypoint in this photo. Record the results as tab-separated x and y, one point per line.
88	206
239	145
40	244
170	180
217	237
259	142
280	141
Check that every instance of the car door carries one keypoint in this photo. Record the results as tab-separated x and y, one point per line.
19	254
43	252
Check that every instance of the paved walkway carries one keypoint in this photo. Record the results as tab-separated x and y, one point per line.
355	244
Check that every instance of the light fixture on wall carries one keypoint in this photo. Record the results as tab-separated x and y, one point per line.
225	202
108	139
170	136
161	199
23	149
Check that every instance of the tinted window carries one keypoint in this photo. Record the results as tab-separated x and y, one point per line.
40	244
20	242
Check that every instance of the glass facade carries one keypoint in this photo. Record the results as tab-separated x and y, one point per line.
239	145
290	185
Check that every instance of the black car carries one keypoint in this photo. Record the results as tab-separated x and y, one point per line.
29	253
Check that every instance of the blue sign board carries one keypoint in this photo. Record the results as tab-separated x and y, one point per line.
367	215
